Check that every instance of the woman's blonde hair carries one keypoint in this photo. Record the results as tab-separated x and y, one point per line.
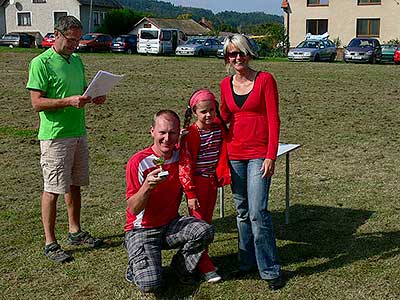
242	43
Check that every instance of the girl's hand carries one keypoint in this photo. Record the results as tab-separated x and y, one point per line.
193	203
268	167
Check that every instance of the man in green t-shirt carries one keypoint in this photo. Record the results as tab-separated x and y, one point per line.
56	84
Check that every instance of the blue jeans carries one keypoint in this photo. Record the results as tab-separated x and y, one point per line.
257	246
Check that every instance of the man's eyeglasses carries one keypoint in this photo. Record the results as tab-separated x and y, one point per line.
234	54
69	40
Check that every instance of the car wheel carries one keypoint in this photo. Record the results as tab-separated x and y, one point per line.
316	57
333	57
201	53
373	60
129	51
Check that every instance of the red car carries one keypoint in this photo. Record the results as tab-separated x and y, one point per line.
48	40
396	57
91	42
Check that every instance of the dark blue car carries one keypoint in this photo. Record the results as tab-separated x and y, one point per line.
125	43
363	50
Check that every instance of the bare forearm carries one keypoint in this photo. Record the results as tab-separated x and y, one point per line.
42	103
138	201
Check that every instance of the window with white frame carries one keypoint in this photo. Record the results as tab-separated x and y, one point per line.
98	17
368	27
24	19
369	2
39	1
58	14
317	26
317	2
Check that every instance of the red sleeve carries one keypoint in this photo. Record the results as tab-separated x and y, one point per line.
187	161
132	177
225	112
272	107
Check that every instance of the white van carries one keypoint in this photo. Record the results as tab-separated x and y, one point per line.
159	41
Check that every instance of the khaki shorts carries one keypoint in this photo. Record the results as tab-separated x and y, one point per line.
64	162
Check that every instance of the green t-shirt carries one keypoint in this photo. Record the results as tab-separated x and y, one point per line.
58	78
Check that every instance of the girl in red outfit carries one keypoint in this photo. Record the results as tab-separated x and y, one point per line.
203	164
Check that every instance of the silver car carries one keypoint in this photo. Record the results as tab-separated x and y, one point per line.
313	50
199	46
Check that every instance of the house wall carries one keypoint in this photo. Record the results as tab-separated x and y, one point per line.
342	19
42	14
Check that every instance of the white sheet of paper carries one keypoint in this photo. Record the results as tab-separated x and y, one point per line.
102	83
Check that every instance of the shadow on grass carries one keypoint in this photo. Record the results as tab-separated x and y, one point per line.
327	236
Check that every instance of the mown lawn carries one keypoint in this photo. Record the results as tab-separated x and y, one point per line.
344	236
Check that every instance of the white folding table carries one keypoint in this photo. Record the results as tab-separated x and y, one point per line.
283	149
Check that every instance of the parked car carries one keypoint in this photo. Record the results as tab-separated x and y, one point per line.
125	43
396	56
314	49
363	50
17	39
48	40
254	45
388	52
199	46
92	42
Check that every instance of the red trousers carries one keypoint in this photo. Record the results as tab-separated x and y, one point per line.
206	191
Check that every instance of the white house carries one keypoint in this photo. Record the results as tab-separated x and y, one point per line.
343	19
189	27
38	17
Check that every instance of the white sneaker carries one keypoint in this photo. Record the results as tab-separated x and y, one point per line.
212	277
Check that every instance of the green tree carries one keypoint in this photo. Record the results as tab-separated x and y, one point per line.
271	38
119	21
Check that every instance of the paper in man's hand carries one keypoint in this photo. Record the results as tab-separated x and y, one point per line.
102	83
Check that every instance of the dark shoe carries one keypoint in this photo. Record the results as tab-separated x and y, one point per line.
54	252
183	275
188	279
276	283
129	276
83	237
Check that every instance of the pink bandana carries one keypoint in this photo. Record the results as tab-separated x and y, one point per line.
201	95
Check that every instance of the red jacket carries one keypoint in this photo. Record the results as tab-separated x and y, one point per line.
189	148
253	128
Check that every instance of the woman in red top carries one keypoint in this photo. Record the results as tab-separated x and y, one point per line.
249	104
203	164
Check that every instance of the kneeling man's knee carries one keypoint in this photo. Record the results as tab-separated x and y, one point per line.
149	284
205	231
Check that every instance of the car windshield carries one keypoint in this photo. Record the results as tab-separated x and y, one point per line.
308	44
88	37
361	43
50	36
388	47
119	39
149	34
196	41
10	36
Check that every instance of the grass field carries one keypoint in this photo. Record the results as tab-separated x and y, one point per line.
344	237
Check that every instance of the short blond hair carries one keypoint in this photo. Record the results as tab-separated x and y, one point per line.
241	42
